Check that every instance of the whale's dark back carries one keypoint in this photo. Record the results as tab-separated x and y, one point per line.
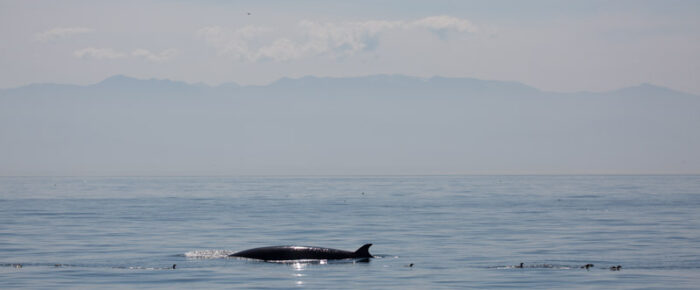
280	253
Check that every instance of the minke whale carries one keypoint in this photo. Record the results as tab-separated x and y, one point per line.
284	253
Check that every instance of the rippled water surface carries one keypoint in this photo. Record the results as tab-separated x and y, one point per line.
455	231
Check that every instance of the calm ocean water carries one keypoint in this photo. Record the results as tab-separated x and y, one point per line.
457	231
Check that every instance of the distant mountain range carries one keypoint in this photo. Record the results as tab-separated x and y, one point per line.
383	124
375	84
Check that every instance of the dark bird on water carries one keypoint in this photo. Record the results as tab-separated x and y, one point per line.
587	266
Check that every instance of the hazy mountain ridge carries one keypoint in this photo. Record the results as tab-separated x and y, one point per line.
378	83
381	124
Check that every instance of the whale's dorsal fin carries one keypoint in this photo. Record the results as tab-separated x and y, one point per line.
363	252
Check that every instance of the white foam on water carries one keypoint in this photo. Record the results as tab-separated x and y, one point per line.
208	254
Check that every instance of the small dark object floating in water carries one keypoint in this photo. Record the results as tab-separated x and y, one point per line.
285	253
520	266
174	266
587	266
615	268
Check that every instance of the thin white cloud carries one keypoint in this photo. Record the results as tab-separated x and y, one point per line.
163	56
109	53
280	50
344	38
446	23
234	43
98	53
61	32
309	38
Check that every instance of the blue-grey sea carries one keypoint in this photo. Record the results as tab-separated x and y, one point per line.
428	231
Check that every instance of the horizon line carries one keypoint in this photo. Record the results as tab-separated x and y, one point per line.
347	175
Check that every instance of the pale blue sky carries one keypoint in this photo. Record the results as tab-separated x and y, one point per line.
552	45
